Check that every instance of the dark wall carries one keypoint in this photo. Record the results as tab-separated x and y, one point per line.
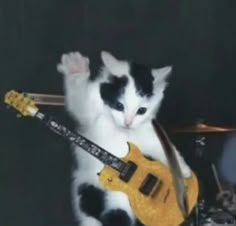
197	37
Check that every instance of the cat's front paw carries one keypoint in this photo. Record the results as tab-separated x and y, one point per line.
74	63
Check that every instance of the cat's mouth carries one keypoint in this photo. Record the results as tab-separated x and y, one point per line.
125	127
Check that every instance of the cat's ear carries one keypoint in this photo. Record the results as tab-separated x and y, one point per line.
161	74
115	66
160	77
109	60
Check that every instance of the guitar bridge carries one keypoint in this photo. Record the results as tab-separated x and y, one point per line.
128	171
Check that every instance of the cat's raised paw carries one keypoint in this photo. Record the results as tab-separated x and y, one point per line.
74	63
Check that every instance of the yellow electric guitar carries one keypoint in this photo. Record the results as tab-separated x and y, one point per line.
148	184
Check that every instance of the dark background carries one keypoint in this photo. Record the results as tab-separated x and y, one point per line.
197	37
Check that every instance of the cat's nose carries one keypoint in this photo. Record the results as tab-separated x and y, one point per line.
128	122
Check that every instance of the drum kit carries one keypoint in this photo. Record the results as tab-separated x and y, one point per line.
223	211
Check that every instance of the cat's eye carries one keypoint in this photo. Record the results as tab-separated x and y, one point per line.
119	106
141	111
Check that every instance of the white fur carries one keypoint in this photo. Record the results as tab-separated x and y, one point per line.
108	127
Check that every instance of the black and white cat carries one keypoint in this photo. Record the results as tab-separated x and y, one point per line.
115	107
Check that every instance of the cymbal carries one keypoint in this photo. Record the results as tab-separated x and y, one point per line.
203	128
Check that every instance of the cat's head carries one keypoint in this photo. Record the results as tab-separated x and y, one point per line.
132	92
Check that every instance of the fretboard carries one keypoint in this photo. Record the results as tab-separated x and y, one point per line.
104	156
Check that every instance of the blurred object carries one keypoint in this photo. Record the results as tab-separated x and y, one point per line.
226	196
227	163
228	200
212	215
47	99
218	217
203	128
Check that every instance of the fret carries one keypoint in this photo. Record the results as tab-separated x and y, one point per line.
105	157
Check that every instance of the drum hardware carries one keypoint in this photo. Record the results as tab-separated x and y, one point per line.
217	179
226	197
221	213
200	143
206	215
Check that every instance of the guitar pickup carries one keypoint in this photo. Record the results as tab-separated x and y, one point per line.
148	185
128	171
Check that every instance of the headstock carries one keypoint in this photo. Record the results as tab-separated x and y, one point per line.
21	103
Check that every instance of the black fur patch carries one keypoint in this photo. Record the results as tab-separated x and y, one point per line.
143	79
116	217
111	91
92	200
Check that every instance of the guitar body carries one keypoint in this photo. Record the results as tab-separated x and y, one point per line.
160	208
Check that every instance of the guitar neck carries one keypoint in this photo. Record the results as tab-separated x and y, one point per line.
105	157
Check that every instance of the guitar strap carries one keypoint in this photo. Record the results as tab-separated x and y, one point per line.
174	168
